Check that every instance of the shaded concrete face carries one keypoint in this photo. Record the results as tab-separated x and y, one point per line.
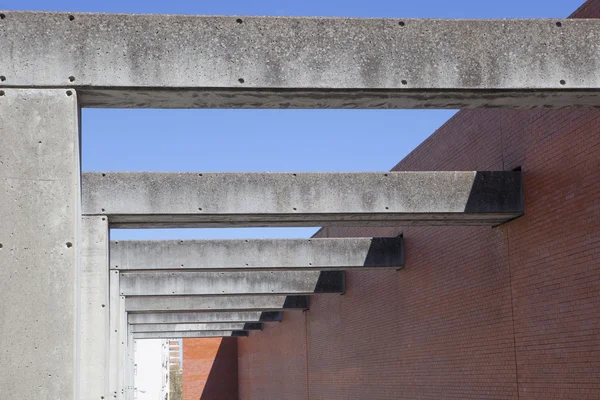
253	255
196	327
145	60
230	283
188	334
39	243
215	303
204	317
146	200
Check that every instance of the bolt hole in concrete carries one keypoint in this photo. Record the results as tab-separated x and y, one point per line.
241	80
1	92
2	78
71	79
69	245
2	16
69	93
563	82
404	82
239	20
71	18
559	24
401	23
1	245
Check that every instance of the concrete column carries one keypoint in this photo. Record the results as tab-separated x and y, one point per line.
94	327
114	328
122	346
39	243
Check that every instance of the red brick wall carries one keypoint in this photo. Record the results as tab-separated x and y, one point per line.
210	370
511	312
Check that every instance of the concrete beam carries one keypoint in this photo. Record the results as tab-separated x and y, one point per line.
181	61
40	242
170	200
231	283
204	317
94	310
170	304
257	255
189	334
196	327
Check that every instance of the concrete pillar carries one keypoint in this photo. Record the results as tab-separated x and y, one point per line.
122	346
114	328
39	243
93	356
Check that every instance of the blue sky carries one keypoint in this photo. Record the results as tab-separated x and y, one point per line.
268	140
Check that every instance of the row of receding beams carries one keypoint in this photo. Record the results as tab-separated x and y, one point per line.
51	64
199	288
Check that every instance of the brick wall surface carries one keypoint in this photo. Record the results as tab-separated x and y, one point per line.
511	312
210	370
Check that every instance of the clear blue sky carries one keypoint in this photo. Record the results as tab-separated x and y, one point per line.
268	140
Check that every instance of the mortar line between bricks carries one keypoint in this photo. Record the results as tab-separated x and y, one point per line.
512	311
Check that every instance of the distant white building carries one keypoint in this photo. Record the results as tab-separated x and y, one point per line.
151	369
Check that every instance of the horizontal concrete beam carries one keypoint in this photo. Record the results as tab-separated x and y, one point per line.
180	61
197	327
215	303
188	334
204	317
170	200
184	283
257	255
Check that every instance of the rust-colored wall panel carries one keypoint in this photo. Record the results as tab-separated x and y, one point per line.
210	370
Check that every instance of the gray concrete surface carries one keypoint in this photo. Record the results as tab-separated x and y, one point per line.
115	310
189	334
257	255
204	317
148	200
215	303
94	310
278	62
231	283
40	241
196	327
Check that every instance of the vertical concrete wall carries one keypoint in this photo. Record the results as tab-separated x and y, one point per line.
39	243
210	370
94	334
488	313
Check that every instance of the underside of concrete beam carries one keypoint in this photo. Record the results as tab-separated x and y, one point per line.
254	326
257	255
204	317
171	304
180	61
171	200
184	283
188	334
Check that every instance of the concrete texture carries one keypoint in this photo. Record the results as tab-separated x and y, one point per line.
196	327
94	315
148	200
256	255
216	303
230	283
114	337
39	243
204	317
199	61
188	334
